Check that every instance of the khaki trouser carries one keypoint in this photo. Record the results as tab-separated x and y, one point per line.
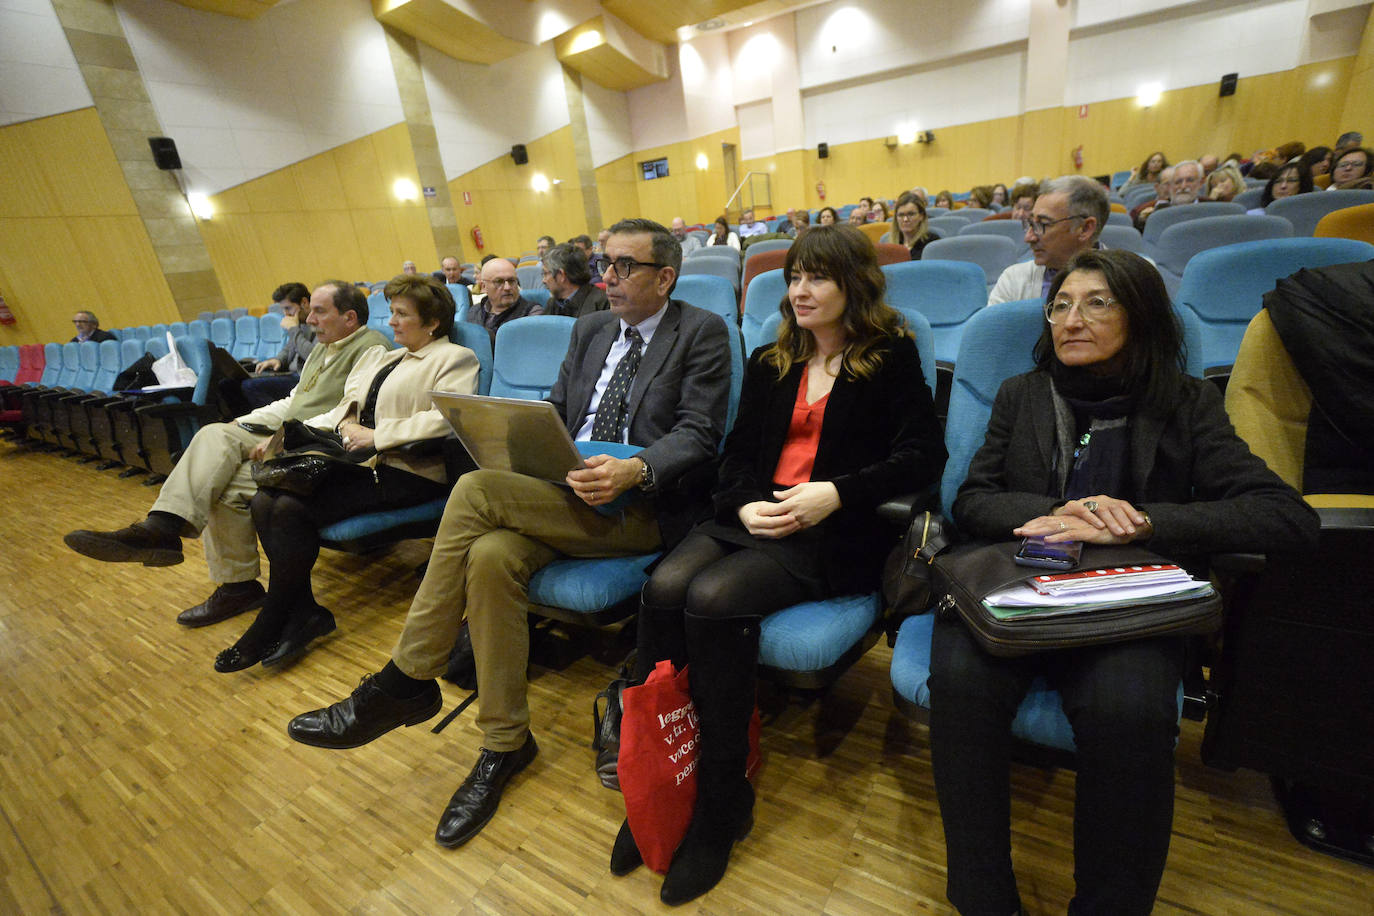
211	487
500	528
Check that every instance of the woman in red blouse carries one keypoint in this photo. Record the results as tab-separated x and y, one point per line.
834	418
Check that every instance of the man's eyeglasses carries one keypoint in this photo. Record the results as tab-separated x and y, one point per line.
1090	310
622	266
513	282
1040	225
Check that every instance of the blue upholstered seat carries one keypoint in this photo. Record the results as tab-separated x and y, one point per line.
816	636
1179	243
1160	220
1122	237
1304	211
948	293
760	301
715	294
992	254
245	344
528	354
727	268
1009	229
270	335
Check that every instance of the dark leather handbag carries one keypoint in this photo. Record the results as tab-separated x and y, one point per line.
301	456
964	577
907	569
606	730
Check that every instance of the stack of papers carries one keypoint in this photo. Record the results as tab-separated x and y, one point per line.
1094	589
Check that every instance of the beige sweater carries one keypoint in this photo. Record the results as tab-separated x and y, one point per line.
322	381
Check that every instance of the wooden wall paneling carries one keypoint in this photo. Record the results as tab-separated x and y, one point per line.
238	255
25	191
319	184
615	185
80	164
360	169
45	288
414	237
1359	100
130	285
275	192
379	252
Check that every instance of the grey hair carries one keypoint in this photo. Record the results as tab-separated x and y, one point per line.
572	262
1194	163
667	250
1086	197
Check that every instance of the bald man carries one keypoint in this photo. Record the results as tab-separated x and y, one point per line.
679	231
503	301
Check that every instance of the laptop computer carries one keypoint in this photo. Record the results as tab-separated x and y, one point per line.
511	434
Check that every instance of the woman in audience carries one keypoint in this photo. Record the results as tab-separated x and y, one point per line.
722	235
1148	171
944	199
1293	178
827	216
909	226
980	197
834	418
999	195
1352	170
1225	183
1105	442
1317	160
878	212
386	405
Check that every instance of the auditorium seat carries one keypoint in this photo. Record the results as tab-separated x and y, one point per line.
245	345
892	253
759	263
1012	230
947	226
1179	243
198	329
1304	211
947	293
101	414
1126	237
765	293
270	336
1119	218
716	266
1349	223
79	407
462	297
377	305
763	245
166	428
990	253
528	354
715	294
1137	195
123	419
1249	198
531	276
1162	219
972	214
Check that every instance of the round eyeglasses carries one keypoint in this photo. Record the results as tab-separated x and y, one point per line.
1090	310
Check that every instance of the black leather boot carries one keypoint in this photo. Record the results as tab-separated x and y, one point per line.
658	635
723	658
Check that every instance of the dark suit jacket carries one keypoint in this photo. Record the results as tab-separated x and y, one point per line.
99	335
678	400
1203	488
588	298
880	438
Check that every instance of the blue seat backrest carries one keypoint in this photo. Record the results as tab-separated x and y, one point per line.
71	364
181	329
238	313
761	300
724	252
206	316
9	363
1120	178
383	326
129	352
141	332
715	294
528	354
997	343
1224	287
1178	244
530	276
222	333
915	321
89	353
462	297
1116	218
270	335
540	295
1008	229
1124	237
766	245
52	365
1304	211
1172	216
377	306
993	254
160	330
948	293
109	365
196	352
728	268
476	339
947	226
245	338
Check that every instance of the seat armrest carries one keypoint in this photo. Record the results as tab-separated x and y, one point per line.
1348	518
899	509
1238	564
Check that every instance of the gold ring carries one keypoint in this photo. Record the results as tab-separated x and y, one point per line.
1090	505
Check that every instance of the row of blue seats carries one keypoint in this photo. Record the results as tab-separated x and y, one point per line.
247	337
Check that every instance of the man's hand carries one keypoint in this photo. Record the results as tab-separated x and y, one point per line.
268	365
604	478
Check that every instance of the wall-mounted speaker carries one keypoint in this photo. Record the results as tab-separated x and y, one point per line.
823	150
517	152
1228	84
165	153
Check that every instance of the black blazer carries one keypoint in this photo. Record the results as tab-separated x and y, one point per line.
1204	490
880	438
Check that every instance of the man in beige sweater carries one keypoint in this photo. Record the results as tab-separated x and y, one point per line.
209	490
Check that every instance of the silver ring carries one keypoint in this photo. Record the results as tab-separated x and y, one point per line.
1090	505
347	441
1063	527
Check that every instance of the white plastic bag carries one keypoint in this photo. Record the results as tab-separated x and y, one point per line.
171	370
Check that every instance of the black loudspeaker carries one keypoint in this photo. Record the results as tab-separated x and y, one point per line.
1228	84
517	152
823	150
165	153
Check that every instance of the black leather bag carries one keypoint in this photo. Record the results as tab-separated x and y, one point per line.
606	730
964	577
907	570
301	456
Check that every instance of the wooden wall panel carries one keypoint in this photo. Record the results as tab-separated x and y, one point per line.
616	187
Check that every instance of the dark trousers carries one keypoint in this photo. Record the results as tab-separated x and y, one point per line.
1122	702
289	526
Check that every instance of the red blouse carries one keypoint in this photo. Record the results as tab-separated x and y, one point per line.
798	454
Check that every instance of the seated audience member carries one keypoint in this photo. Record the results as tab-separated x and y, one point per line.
453	271
1165	469
866	205
827	216
1291	179
999	195
1287	152
1023	196
1148	171
408	268
543	244
1263	170
1141	211
500	527
1184	188
801	221
1352	170
1209	163
1067	218
858	217
1225	183
600	246
788	224
586	246
922	193
834	419
748	226
688	242
385	405
210	487
570	286
1317	160
878	213
88	328
980	197
502	301
944	199
280	373
722	235
909	225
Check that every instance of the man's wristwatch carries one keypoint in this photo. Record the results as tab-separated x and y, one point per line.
646	477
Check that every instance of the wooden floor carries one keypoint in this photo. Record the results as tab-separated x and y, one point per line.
134	779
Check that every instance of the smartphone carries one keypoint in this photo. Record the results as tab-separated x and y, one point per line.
1035	552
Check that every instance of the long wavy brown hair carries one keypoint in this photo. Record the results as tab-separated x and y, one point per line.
845	255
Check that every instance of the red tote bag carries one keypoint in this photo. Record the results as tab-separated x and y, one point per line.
659	738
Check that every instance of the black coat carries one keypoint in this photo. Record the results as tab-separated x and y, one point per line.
880	439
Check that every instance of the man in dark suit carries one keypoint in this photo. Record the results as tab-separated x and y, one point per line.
569	281
88	328
650	372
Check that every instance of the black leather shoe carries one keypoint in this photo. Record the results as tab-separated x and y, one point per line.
476	799
297	636
222	605
135	544
625	856
366	714
235	659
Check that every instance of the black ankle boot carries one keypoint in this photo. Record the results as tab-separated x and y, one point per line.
625	855
723	815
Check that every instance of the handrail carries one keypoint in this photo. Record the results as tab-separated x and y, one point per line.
747	175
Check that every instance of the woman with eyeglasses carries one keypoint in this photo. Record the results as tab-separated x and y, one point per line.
1106	441
909	225
834	418
1293	178
721	235
1353	169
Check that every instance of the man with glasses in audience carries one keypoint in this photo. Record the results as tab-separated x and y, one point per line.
749	226
1185	187
652	372
689	243
503	301
570	284
88	328
1067	217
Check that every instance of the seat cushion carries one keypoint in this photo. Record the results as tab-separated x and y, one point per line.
359	527
589	585
813	635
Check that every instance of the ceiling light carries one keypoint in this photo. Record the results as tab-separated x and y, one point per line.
1148	95
405	189
539	182
710	25
702	162
200	205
